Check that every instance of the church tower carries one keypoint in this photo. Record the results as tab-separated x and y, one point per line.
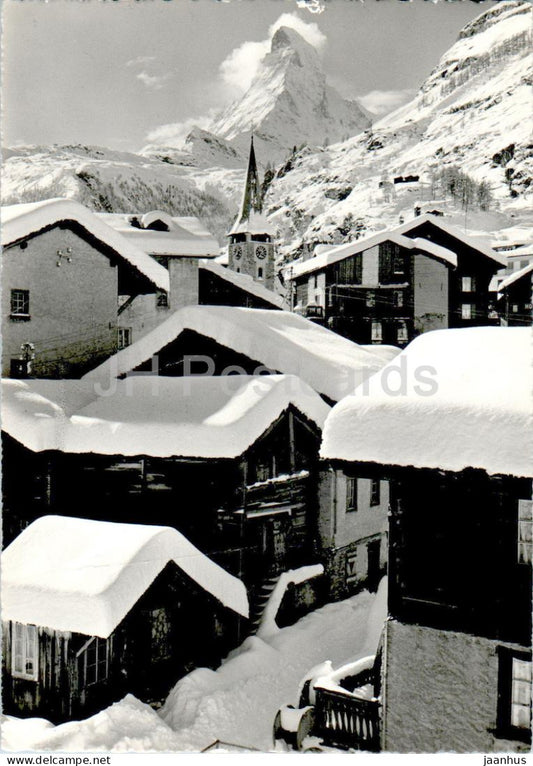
251	246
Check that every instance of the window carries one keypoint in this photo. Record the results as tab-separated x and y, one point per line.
351	493
20	303
525	527
370	299
124	337
398	298
401	333
515	308
376	332
467	284
466	311
25	655
351	567
161	299
260	272
521	693
375	494
398	263
93	660
523	264
316	281
514	694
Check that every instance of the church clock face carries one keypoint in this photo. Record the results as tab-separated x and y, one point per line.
261	252
237	252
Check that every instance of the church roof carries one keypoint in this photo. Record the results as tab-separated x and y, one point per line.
250	219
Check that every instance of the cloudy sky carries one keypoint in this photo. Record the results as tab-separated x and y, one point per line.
118	72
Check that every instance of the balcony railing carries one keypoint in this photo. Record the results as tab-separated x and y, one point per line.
346	721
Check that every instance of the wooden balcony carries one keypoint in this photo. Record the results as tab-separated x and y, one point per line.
342	720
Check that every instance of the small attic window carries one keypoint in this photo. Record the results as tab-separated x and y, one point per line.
158	225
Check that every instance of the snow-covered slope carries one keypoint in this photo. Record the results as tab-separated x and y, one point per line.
290	103
473	112
117	182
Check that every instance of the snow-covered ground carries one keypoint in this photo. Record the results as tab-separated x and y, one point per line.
236	703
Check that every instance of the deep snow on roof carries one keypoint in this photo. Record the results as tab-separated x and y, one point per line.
477	415
255	223
476	243
332	255
192	417
244	282
20	221
514	277
186	236
280	340
84	576
399	235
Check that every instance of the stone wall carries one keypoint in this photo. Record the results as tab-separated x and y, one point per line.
72	309
430	279
440	692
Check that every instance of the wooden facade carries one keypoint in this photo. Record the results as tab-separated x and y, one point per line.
255	515
389	294
515	303
173	628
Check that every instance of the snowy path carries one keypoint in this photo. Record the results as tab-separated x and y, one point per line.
238	702
235	703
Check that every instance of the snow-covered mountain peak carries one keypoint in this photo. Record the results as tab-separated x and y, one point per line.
289	103
288	40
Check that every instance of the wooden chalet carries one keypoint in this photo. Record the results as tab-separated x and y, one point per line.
229	461
392	286
455	669
217	340
515	298
125	608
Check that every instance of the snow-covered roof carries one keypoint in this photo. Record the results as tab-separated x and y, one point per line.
256	223
192	417
24	220
525	251
325	258
186	236
476	411
280	340
514	277
85	576
476	243
244	282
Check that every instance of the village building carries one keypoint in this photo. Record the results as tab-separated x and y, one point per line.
391	286
515	297
125	608
353	526
183	246
454	671
229	461
62	273
225	340
251	248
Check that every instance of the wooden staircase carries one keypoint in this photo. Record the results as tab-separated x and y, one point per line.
259	601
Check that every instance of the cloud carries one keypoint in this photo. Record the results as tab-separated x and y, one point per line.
381	102
240	67
154	81
313	6
174	133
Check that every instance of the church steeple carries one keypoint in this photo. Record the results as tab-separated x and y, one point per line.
252	199
251	249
